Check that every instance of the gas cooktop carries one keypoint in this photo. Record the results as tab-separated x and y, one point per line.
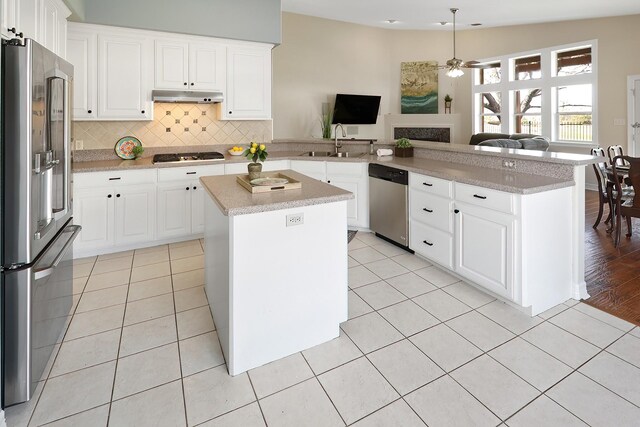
187	157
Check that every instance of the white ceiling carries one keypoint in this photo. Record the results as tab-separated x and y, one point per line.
426	14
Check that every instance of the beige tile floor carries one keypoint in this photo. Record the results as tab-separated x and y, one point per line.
420	348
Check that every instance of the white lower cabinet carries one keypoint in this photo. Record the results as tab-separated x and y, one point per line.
352	177
114	216
484	248
312	169
181	200
431	243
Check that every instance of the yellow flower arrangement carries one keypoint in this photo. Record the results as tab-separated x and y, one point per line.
256	153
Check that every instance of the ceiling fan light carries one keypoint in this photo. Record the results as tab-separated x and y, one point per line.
454	72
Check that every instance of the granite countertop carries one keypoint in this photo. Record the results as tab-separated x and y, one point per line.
497	179
509	153
234	199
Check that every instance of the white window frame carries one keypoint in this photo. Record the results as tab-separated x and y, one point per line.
547	83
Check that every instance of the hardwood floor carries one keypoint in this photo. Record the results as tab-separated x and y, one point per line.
612	274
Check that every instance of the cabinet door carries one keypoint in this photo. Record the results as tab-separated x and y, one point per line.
248	84
82	53
93	209
484	248
197	208
134	213
352	177
313	169
352	205
206	67
171	63
48	24
275	165
174	209
10	18
122	78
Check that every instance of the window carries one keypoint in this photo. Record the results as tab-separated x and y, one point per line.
574	114
548	92
490	105
528	108
527	68
491	73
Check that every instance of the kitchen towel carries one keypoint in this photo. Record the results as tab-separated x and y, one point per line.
384	152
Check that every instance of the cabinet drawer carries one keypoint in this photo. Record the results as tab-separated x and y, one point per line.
345	169
108	178
428	184
431	243
487	198
188	172
431	210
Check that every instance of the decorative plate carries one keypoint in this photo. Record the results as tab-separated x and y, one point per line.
236	153
269	182
124	147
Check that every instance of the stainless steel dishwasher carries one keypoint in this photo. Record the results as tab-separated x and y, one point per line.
388	203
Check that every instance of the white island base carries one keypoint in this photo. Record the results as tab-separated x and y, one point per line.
274	289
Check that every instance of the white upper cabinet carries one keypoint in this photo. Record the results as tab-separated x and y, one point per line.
19	18
51	25
123	77
248	83
82	52
190	66
172	64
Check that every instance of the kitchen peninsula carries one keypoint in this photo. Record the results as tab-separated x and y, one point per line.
275	267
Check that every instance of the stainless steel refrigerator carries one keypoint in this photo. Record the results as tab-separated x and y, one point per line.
37	231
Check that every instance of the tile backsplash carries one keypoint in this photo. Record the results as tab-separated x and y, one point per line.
174	125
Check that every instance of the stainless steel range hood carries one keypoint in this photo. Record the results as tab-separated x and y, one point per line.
187	96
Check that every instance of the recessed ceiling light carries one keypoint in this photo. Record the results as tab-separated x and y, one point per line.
391	21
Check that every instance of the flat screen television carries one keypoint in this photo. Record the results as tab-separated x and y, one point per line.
356	109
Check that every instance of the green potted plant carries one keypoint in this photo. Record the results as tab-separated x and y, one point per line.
137	151
403	148
256	153
447	103
325	123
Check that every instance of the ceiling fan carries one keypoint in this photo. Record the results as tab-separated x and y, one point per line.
454	65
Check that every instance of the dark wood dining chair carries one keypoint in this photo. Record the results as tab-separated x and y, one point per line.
626	206
604	187
615	151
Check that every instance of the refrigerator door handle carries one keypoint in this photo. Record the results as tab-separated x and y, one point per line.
74	229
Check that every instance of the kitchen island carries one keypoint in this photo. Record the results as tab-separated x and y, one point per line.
275	267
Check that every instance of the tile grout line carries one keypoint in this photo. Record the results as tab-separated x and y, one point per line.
322	387
115	371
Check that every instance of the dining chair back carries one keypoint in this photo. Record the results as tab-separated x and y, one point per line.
604	197
629	207
615	151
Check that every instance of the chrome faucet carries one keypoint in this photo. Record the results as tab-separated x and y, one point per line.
344	135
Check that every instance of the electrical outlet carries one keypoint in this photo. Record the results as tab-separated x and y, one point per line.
295	219
79	144
509	164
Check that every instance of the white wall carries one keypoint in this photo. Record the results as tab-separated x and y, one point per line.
320	57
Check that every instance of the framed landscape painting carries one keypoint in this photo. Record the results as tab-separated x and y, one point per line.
419	87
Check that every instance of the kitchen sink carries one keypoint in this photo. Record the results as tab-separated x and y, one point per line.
347	154
317	154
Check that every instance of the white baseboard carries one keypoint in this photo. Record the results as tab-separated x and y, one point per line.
83	253
591	186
